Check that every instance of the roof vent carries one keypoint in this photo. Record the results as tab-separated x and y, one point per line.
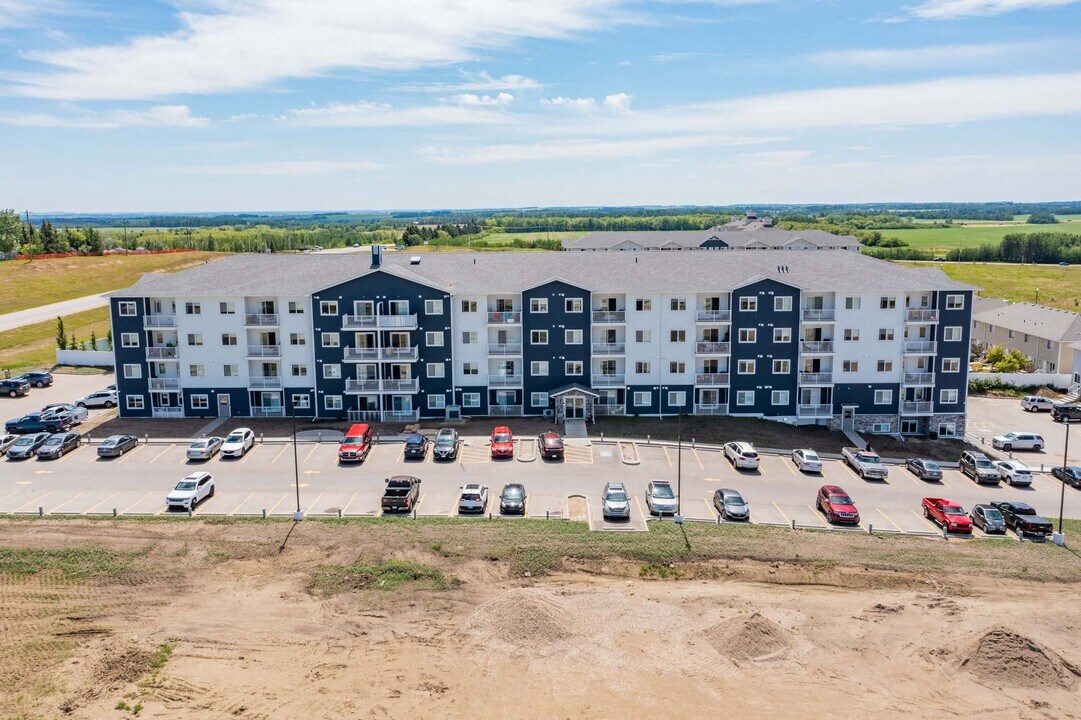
415	260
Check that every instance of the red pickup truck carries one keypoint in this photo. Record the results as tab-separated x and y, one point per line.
948	514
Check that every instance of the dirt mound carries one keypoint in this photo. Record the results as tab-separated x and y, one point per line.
525	618
883	609
750	637
1002	656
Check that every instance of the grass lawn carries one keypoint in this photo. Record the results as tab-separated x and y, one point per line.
508	237
27	284
973	233
1058	285
33	347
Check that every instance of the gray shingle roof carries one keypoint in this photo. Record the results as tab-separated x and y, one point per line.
772	237
1046	322
511	272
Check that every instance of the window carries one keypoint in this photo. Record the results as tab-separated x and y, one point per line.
196	370
1048	342
231	370
951	365
433	339
678	304
129	340
302	402
677	336
332	402
1025	338
435	370
538	337
200	402
779	397
748	335
745	367
538	368
126	309
782	367
643	304
572	337
642	368
469	306
1051	367
134	402
329	339
133	371
573	367
677	398
852	303
227	308
195	339
193	308
433	307
910	427
328	307
643	336
852	334
332	371
880	428
228	339
947	430
437	402
782	335
297	339
748	304
885	335
471	400
745	398
299	370
948	397
955	302
296	308
538	305
538	399
883	397
573	305
850	366
1011	334
470	369
677	368
885	366
469	337
782	303
887	303
955	334
643	399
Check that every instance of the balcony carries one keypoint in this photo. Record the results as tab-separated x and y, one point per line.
918	378
164	384
504	380
819	314
714	316
364	415
401	415
814	411
264	351
711	379
358	322
600	381
921	407
364	354
504	318
265	381
268	411
921	315
609	410
371	322
505	410
159	321
816	378
921	347
161	353
401	385
713	348
609	348
609	316
711	409
504	348
167	412
259	320
361	386
404	354
817	346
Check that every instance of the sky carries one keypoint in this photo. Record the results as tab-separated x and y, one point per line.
234	105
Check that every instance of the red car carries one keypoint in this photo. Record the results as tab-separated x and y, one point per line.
502	442
356	444
837	506
551	445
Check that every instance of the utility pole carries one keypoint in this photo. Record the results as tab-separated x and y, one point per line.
1062	490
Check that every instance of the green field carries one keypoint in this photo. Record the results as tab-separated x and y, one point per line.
1058	286
975	233
506	237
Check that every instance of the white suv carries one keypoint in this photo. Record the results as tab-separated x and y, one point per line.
1016	473
1035	403
239	442
741	455
1018	441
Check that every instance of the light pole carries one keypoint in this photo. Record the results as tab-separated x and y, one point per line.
299	514
1062	490
679	466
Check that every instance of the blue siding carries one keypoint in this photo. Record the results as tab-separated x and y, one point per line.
556	321
653	408
764	351
127	356
686	408
287	400
212	402
481	390
862	395
953	349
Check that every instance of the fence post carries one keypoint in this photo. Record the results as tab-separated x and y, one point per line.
793	522
547	515
339	513
647	440
41	511
146	438
114	512
260	438
870	529
264	513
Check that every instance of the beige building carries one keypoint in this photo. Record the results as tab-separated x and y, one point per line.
1044	334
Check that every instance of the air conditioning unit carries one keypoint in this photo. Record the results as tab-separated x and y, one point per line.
549	412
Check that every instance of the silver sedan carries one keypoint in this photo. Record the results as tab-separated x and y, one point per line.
204	448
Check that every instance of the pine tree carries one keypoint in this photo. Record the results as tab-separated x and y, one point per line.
93	340
61	338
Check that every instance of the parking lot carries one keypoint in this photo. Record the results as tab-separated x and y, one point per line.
989	416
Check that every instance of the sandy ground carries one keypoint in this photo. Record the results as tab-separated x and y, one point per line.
593	641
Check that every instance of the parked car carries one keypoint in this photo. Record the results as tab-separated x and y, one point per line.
1035	403
14	388
741	455
1066	413
502	442
978	467
614	501
7	441
238	442
837	506
731	505
951	516
205	448
59	445
1018	441
924	469
190	491
446	445
74	413
27	445
1015	472
36	422
116	445
473	498
37	379
807	460
989	519
101	398
400	494
1070	474
866	463
1022	518
660	498
356	444
551	445
416	447
512	499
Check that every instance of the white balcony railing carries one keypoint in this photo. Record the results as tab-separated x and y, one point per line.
920	407
918	378
609	409
400	322
504	348
261	320
401	415
710	409
167	412
159	321
268	411
609	348
714	316
921	315
817	346
355	354
816	378
711	379
161	353
505	410
360	386
498	317
363	415
609	380
398	353
814	410
164	384
819	314
712	348
921	347
609	316
265	381
264	350
504	380
397	385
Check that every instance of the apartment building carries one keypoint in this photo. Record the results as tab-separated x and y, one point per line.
833	338
722	237
1044	334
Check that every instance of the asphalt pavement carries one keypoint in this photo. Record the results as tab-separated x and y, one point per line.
42	313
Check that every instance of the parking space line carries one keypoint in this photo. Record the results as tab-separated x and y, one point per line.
709	508
161	453
128	509
788	466
814	512
401	454
849	471
95	507
271	510
697	459
420	501
72	499
314	502
234	510
281	452
9	495
889	520
642	514
32	501
782	513
128	454
346	507
926	520
94	458
69	454
667	456
310	453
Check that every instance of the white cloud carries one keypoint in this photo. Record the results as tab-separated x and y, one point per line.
952	9
924	57
175	116
21	13
369	114
477	82
285	167
470	100
774	158
618	102
242	44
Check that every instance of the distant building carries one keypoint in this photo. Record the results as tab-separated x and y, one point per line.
1042	333
716	238
750	221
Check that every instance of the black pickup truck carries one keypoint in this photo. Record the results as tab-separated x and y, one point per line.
1022	518
401	494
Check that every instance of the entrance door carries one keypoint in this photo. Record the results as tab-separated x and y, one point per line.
223	406
575	408
848	418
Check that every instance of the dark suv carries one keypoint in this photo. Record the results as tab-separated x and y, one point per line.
1066	413
14	388
37	379
979	467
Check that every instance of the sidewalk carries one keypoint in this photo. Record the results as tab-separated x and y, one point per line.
42	313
